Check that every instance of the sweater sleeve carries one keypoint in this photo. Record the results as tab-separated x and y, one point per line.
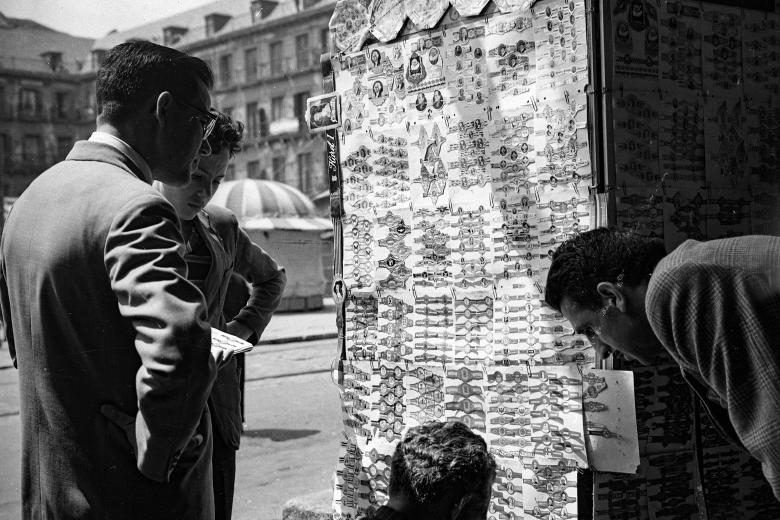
719	324
268	280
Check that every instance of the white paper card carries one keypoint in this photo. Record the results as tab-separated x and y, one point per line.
229	342
610	420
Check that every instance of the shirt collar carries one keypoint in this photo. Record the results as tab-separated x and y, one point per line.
135	157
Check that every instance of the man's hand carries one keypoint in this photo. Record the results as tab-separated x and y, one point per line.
238	329
124	421
221	356
127	424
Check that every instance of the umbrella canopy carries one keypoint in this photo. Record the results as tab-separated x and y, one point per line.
265	205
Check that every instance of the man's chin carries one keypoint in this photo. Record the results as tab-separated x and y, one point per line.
174	179
642	359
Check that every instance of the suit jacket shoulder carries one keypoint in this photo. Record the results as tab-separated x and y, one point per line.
91	255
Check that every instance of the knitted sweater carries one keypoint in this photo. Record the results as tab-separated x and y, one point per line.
715	306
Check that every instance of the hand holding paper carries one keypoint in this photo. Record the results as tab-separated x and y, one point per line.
224	346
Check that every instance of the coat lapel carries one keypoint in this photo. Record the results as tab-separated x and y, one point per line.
215	278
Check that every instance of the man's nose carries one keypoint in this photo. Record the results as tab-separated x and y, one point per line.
603	351
205	148
194	164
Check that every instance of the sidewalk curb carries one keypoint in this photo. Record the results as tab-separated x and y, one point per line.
272	341
299	339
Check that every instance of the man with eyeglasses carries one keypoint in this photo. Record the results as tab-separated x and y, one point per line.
207	121
111	341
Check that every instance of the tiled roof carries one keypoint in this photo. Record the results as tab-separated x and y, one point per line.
194	21
23	41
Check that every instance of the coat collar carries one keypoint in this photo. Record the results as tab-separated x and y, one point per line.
215	277
205	220
106	153
214	240
126	149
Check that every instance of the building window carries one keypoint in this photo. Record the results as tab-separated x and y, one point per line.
32	148
226	70
230	173
252	123
278	166
90	103
299	107
325	40
63	146
215	22
302	51
277	108
305	175
275	50
173	34
3	104
256	10
60	108
263	119
98	55
29	102
250	64
253	170
5	151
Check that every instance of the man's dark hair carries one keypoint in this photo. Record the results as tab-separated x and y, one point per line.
136	70
226	134
599	255
439	458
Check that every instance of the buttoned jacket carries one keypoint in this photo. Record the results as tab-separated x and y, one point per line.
232	251
99	313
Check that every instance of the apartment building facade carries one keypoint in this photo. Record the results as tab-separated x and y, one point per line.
43	105
266	61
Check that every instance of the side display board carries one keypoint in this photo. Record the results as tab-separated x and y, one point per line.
694	97
464	162
692	91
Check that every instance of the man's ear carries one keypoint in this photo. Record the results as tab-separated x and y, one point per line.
162	108
611	294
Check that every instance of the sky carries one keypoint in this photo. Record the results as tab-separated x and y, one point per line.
95	18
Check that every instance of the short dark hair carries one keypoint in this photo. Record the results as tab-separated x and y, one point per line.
439	458
136	70
599	255
226	134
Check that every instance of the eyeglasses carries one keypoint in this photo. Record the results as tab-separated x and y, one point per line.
207	120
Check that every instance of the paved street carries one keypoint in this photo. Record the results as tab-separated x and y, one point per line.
292	438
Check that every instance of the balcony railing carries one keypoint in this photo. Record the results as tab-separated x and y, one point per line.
65	113
269	71
52	115
39	65
26	164
31	114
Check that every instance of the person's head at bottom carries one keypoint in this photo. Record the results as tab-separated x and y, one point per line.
598	281
441	470
223	143
157	100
